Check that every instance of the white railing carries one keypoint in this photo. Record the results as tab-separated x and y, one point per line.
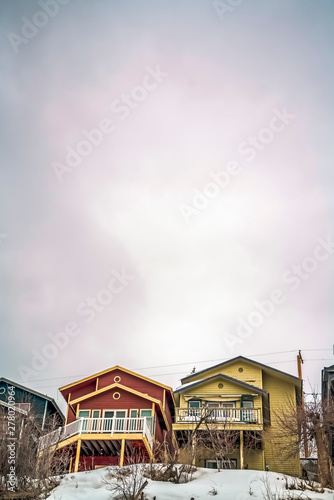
250	415
143	425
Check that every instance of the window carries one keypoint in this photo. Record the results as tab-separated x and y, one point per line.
247	412
119	425
213	404
96	423
194	404
149	419
194	410
223	464
146	413
248	404
219	410
84	414
134	422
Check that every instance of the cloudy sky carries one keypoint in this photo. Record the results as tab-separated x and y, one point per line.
166	186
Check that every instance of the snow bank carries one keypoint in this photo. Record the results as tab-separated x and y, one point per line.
229	485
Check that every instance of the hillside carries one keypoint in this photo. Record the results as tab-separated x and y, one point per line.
228	485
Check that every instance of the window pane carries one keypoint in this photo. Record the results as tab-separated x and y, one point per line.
84	413
146	413
133	413
194	404
108	414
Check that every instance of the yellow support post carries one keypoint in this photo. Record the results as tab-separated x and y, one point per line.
241	449
121	460
77	457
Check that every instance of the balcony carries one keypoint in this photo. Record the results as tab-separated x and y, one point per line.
97	427
218	415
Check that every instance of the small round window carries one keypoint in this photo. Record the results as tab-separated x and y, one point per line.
240	370
117	379
116	395
220	385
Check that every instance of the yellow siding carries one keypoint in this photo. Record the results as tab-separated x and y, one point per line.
211	389
253	460
276	451
251	374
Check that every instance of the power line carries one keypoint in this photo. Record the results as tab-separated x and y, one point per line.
185	373
171	365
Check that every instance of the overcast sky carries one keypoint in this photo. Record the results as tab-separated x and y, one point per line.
180	153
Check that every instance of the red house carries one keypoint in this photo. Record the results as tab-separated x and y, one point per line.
111	416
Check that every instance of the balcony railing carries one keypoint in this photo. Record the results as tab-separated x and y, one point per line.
218	415
143	425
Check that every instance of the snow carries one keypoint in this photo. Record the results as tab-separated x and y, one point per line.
229	484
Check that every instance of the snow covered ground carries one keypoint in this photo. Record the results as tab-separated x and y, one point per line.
229	485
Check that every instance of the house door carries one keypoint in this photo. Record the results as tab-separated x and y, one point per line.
109	416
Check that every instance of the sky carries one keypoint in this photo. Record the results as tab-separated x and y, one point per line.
166	187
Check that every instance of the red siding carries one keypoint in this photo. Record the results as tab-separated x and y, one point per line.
136	383
82	389
105	401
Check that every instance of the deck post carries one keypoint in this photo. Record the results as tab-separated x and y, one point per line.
77	457
241	449
121	460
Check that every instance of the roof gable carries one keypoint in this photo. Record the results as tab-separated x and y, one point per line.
267	368
109	370
221	376
34	393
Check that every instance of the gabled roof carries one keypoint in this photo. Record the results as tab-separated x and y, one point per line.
117	385
247	360
328	368
35	393
224	377
108	388
116	367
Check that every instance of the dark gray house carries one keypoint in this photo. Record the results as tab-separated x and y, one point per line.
327	394
27	401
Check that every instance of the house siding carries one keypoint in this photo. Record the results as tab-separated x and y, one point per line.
275	450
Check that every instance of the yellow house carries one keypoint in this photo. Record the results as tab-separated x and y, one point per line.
239	399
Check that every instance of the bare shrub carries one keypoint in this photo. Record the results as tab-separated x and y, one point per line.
128	481
281	494
35	474
308	426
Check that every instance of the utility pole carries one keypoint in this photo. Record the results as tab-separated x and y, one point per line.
300	361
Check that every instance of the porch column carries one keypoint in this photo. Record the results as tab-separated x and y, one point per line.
241	449
121	460
193	449
77	457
